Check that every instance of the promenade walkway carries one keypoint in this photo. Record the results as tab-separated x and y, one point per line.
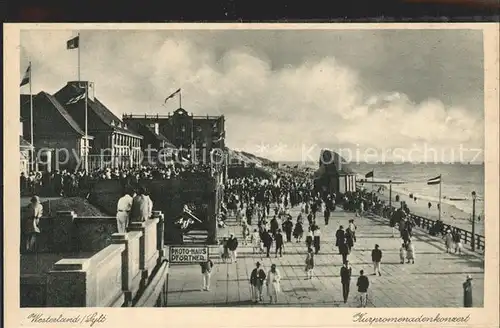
435	280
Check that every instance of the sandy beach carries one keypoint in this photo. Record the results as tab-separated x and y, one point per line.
449	214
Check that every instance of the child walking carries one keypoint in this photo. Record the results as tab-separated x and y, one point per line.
402	253
410	253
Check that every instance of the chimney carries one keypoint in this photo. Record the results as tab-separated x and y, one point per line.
157	128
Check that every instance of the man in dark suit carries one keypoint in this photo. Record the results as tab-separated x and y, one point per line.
341	243
257	278
363	284
267	240
345	279
278	239
288	227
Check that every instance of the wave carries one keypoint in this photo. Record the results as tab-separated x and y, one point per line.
453	193
463	204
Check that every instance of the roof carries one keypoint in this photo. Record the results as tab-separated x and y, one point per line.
159	136
108	117
72	90
64	113
25	99
331	157
56	104
23	143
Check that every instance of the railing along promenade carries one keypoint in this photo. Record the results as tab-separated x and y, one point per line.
427	224
465	236
98	268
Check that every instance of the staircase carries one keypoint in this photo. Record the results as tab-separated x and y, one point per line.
199	237
195	237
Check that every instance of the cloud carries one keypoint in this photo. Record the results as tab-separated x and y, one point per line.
318	101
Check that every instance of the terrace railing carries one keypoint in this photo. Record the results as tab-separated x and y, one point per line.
466	236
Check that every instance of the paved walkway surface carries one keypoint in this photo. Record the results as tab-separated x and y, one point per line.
435	280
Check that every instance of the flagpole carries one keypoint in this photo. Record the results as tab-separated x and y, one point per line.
78	57
31	122
180	98
440	182
373	174
86	124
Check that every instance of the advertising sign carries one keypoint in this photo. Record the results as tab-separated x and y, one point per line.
188	254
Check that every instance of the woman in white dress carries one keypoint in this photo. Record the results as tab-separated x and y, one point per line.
273	284
256	242
245	231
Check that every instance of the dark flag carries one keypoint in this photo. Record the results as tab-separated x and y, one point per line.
77	98
27	76
369	174
73	43
433	181
173	94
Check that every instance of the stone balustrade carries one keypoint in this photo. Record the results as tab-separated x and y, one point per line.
67	232
115	275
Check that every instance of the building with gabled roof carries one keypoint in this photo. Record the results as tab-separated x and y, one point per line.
114	144
58	140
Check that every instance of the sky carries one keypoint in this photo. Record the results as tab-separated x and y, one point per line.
371	95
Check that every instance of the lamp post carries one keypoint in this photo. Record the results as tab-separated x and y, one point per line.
390	195
473	221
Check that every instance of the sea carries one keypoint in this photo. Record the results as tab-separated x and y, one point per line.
457	181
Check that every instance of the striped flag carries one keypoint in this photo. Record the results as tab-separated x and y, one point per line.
433	181
27	76
221	137
73	43
77	98
173	95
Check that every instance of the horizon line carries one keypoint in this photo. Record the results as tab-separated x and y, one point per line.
387	162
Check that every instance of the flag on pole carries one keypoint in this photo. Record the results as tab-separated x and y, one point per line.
77	98
369	174
222	135
73	43
433	181
27	76
172	95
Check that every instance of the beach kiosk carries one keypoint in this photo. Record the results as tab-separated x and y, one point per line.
334	174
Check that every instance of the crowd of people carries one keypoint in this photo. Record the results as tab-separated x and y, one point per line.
78	183
262	208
